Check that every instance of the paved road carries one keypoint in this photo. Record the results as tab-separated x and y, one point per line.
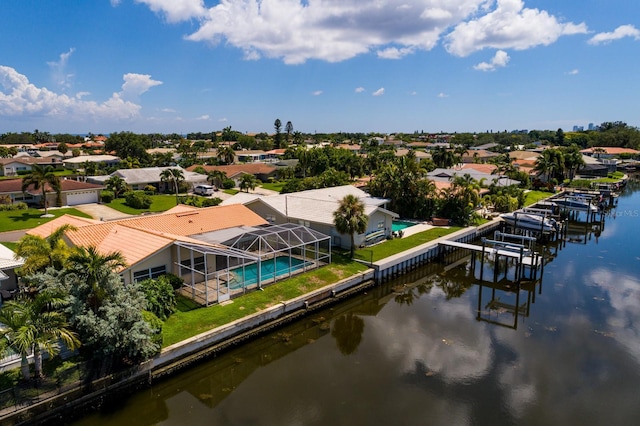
11	236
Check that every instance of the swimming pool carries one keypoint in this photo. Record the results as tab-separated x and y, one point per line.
398	225
270	269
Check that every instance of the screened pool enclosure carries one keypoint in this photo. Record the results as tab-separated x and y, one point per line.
248	258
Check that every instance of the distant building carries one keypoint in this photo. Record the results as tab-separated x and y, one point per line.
578	128
591	126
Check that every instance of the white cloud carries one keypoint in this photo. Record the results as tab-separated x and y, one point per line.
378	92
620	32
81	95
317	93
573	72
115	3
395	53
19	97
509	26
500	59
168	110
59	74
442	95
359	89
137	84
176	10
203	117
223	120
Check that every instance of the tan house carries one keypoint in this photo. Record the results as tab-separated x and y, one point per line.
72	193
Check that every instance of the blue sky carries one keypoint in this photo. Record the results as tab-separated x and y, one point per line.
103	66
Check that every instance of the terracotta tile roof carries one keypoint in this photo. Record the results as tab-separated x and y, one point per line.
480	167
15	185
181	208
139	237
47	229
234	169
611	150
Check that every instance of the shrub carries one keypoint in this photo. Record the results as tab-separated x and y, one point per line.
175	281
196	201
107	196
150	190
161	299
137	200
228	183
156	325
12	207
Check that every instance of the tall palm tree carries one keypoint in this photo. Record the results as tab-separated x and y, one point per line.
41	177
40	253
226	154
36	325
350	218
117	185
175	175
94	268
248	182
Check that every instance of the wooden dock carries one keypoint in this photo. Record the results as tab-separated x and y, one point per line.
526	255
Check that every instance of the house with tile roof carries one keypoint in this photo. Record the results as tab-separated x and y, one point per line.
218	251
235	172
8	264
105	160
138	179
314	209
72	193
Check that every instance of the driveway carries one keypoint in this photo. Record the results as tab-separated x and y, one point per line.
101	212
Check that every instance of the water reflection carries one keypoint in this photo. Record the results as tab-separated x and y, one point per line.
438	346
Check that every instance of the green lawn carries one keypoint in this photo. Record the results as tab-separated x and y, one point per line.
190	321
535	196
26	219
275	186
10	246
160	203
398	245
231	191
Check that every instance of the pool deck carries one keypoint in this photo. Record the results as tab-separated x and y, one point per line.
415	229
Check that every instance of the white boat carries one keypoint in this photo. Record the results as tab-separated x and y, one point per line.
533	222
576	203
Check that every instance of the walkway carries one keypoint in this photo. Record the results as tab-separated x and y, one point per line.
101	212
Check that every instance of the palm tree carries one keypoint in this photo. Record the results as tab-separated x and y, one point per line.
36	325
226	154
350	218
174	175
248	182
40	253
41	177
117	185
94	268
216	178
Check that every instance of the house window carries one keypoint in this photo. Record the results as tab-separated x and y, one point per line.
270	218
149	273
381	224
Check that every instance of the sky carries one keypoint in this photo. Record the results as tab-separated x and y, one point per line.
179	66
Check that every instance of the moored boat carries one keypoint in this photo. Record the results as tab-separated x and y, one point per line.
530	221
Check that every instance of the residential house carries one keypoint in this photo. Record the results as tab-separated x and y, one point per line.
138	179
72	193
314	209
8	264
447	175
262	171
23	164
218	251
78	162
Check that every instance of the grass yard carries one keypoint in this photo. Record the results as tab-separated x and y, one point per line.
160	203
275	186
190	320
10	246
533	197
231	191
398	245
15	220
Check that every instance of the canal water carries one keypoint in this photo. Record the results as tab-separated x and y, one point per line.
436	348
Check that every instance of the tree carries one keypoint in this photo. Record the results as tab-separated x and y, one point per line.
216	178
63	148
94	269
350	218
175	175
248	182
117	185
288	128
40	253
226	154
36	325
278	138
443	158
41	177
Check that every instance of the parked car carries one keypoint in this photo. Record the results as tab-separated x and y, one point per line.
204	190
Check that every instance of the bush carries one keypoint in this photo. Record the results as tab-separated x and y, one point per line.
161	299
156	325
228	183
150	190
11	207
196	201
175	281
137	200
107	196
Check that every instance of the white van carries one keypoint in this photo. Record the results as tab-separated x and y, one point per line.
203	190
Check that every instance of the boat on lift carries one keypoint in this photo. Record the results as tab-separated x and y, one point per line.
574	202
530	221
